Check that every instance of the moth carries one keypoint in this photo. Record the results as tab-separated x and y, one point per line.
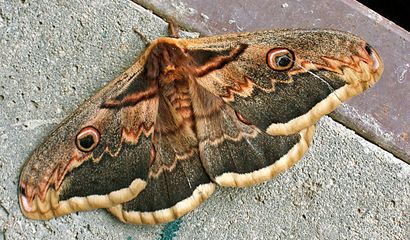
231	110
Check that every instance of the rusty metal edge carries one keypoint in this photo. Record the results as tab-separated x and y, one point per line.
354	123
389	25
157	11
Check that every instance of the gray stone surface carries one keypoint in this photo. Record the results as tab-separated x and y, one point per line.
55	54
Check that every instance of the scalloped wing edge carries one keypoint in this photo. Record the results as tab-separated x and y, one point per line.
331	102
51	208
200	194
285	162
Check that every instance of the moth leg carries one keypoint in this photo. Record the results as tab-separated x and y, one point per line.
142	35
173	29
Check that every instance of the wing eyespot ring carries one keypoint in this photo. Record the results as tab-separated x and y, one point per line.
280	59
242	118
87	139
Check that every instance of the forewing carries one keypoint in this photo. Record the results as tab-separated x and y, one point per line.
328	67
59	178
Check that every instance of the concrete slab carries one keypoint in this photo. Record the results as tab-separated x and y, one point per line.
54	55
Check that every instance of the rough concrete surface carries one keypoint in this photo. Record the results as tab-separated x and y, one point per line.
55	54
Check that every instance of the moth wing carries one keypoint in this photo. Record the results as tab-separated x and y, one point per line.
59	178
177	182
236	153
325	68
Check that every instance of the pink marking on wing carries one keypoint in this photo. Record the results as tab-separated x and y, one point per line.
26	203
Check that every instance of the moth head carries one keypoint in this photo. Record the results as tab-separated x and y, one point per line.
165	59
